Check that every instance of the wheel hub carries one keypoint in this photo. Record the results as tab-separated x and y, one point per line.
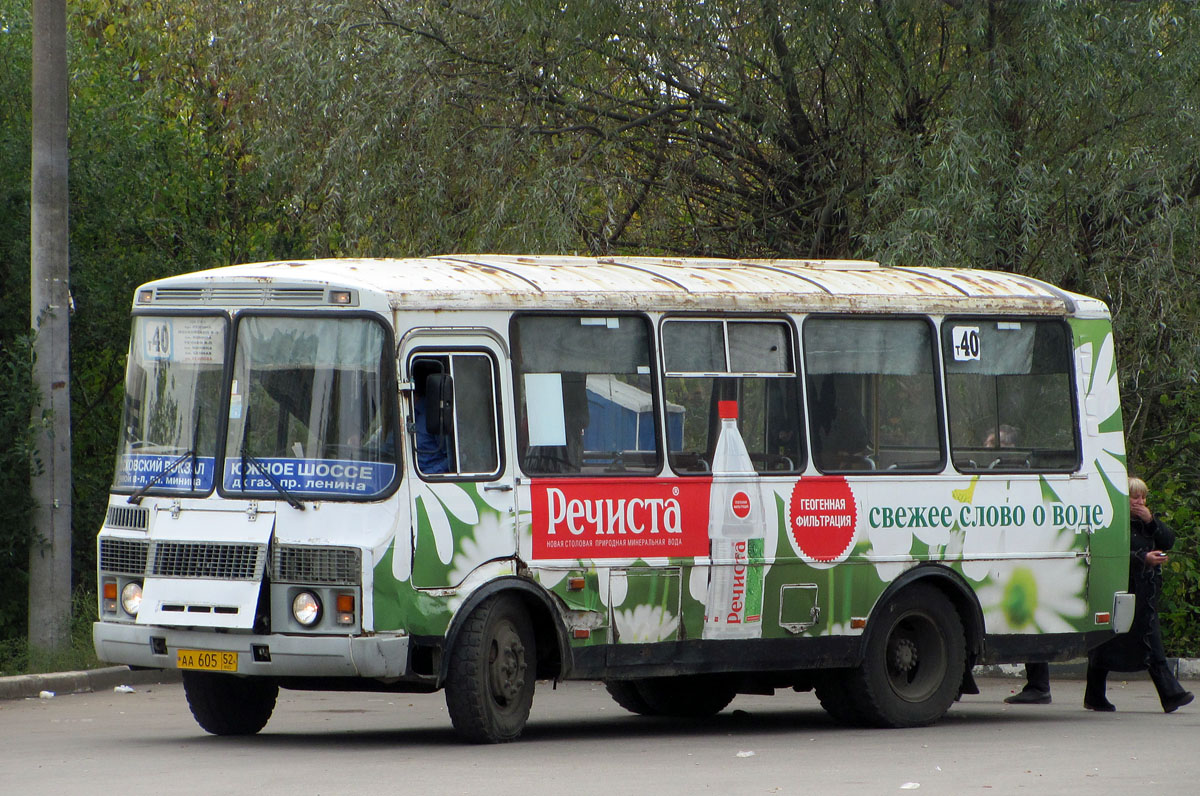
904	655
507	667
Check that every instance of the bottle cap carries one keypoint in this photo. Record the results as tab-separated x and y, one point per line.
727	410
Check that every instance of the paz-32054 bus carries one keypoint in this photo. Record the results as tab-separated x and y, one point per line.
686	478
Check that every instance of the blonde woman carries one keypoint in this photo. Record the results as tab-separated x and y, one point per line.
1140	649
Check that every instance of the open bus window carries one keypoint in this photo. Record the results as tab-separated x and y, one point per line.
708	361
1008	389
872	395
172	393
310	401
585	399
454	414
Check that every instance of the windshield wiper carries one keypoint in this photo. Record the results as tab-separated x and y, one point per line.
137	496
247	457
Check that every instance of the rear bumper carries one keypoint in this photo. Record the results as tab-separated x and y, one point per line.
376	656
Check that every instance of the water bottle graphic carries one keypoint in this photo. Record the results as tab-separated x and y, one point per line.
735	531
735	505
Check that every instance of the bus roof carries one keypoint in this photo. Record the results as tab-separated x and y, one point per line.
499	281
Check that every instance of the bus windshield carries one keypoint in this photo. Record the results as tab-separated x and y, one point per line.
308	408
172	393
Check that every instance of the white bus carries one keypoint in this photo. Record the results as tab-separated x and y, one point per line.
686	478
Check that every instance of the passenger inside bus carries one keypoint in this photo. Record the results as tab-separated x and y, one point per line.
841	440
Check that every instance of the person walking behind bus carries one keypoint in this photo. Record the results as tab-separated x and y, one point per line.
1037	686
1142	647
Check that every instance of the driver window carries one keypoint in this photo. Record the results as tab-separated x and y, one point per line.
453	417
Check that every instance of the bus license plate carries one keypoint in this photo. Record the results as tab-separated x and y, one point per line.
207	660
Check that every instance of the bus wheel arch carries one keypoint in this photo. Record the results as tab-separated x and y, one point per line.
955	589
550	637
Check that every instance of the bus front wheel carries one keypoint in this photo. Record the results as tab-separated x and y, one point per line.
491	677
914	661
223	704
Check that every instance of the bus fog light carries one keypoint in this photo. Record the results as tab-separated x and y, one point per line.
131	598
306	608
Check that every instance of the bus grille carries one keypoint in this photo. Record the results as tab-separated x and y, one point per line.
204	560
124	556
133	518
339	566
238	294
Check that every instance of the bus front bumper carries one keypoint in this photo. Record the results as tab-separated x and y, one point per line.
376	656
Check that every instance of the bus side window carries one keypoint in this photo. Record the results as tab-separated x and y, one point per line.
872	395
1008	388
454	415
585	398
709	360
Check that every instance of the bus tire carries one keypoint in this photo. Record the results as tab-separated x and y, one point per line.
833	690
914	660
492	671
626	694
223	704
693	696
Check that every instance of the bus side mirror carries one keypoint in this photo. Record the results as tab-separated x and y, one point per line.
439	403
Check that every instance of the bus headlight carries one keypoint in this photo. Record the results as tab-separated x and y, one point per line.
306	607
131	598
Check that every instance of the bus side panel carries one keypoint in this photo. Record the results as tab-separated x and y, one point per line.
1103	438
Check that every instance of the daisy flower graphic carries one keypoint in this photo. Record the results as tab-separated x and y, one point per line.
646	623
1026	596
1103	404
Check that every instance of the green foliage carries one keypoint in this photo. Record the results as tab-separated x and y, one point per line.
16	376
1171	468
17	657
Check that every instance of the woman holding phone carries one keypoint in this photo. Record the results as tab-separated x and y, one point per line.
1141	648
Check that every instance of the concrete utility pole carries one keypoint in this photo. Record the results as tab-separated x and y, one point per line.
50	299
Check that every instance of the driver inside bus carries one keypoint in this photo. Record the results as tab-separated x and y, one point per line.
433	455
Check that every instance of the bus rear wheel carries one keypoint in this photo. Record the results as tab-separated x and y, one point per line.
694	696
491	678
626	694
223	704
914	661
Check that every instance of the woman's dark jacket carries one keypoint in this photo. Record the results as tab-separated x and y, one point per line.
1133	651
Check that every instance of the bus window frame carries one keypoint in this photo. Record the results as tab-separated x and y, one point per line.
796	373
660	460
389	387
939	400
1073	385
431	351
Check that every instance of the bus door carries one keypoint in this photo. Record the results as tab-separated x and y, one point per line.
460	485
